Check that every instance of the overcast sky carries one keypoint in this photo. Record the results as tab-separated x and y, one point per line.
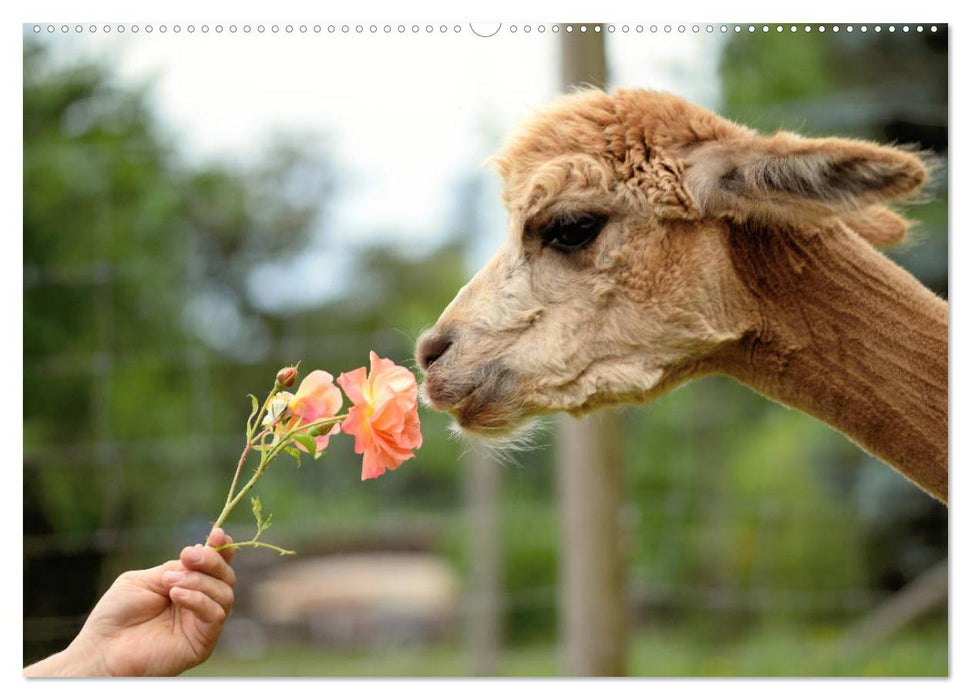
406	115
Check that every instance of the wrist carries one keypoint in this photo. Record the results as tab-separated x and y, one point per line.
86	657
80	658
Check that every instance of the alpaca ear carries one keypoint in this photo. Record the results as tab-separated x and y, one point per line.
786	178
878	225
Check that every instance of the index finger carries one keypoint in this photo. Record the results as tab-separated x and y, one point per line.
218	538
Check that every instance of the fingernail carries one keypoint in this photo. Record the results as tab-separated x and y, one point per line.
194	555
170	577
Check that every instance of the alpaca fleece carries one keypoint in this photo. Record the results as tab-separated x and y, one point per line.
724	251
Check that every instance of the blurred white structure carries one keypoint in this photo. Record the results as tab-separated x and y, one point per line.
375	598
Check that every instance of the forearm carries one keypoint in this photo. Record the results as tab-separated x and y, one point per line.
79	659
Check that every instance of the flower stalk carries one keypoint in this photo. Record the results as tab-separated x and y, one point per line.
266	457
305	421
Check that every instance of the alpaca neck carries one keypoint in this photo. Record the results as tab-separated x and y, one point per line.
847	336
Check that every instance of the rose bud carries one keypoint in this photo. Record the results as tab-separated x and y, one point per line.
287	377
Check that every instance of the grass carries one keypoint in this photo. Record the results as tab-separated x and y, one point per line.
920	651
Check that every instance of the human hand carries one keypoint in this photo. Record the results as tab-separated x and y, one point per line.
155	622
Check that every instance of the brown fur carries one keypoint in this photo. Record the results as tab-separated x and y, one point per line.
724	251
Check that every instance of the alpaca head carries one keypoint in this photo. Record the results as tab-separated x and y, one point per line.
616	281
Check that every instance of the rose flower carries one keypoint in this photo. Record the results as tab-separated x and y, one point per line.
384	417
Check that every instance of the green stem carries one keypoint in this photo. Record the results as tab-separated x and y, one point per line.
286	439
239	496
254	543
250	440
266	404
239	467
265	459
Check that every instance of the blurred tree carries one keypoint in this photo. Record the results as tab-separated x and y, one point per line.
144	327
119	236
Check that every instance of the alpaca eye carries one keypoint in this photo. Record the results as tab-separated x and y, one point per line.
573	233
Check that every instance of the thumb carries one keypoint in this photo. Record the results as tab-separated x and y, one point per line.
152	579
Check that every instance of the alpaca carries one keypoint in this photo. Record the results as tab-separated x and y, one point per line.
652	242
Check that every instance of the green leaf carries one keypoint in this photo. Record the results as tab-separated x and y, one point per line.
249	421
257	510
293	452
307	442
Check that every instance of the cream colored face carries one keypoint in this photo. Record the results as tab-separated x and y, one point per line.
591	302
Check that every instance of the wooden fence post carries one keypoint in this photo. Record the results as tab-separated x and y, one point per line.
484	604
593	597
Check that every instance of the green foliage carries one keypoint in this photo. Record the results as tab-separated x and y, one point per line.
262	524
293	452
802	536
530	569
760	70
250	428
258	514
733	496
120	240
308	443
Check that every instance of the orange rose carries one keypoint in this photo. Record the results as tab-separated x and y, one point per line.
384	418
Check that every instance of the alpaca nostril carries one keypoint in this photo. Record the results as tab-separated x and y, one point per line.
431	348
